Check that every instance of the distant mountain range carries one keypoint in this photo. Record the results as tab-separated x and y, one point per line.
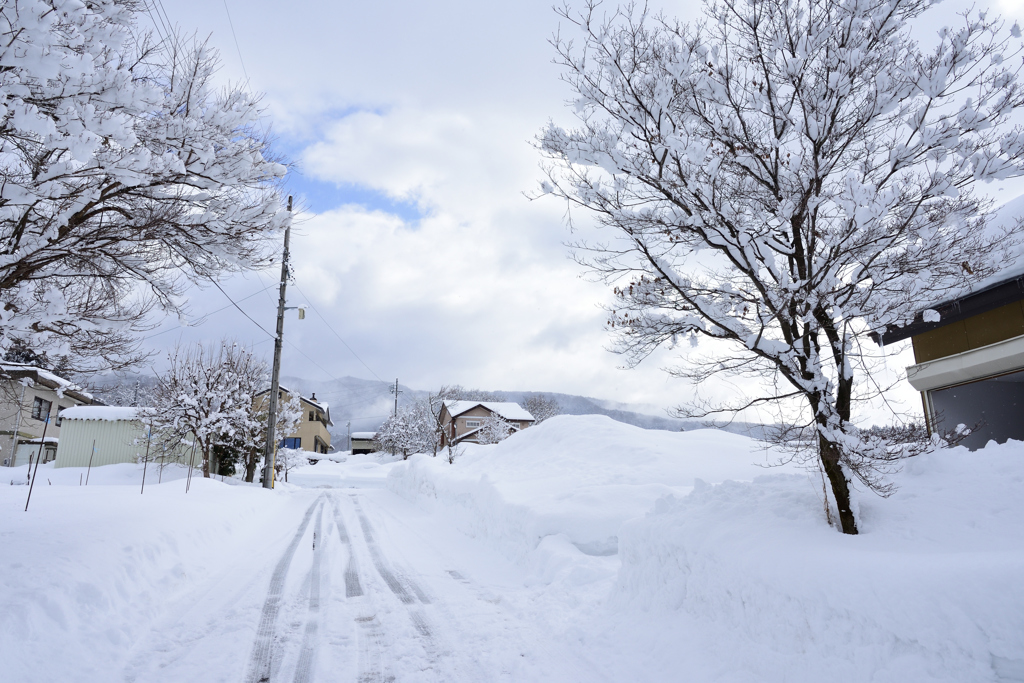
365	404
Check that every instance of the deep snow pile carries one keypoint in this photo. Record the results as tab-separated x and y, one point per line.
931	589
740	578
581	476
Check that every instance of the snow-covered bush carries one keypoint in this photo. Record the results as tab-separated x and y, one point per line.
207	394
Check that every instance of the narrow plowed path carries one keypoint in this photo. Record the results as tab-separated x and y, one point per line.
363	589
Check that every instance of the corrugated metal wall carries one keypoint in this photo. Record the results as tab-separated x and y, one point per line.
116	441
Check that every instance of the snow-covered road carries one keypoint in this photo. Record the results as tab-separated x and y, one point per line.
363	588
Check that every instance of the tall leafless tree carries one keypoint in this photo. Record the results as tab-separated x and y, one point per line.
781	179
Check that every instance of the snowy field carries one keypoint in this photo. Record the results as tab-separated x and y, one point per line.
578	550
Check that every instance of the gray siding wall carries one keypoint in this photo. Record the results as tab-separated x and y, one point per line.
115	442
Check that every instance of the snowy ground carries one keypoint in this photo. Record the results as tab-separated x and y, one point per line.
579	550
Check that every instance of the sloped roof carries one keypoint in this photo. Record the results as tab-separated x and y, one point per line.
46	378
509	411
1002	287
323	407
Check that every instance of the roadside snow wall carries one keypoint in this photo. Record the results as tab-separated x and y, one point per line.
577	476
931	590
739	578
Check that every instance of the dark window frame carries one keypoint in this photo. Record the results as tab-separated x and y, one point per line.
37	408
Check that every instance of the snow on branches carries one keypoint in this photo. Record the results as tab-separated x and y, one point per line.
494	430
783	179
206	396
412	429
124	172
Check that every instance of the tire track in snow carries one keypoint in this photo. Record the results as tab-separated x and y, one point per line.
307	654
263	648
395	582
370	631
436	654
353	588
371	650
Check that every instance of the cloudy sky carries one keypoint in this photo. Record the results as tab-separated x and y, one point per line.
411	127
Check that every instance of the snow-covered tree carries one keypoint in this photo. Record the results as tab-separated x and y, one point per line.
411	430
542	407
494	429
247	436
206	394
783	179
288	459
287	420
125	172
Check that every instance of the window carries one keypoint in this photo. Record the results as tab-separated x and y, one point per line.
40	409
292	442
312	416
58	420
472	423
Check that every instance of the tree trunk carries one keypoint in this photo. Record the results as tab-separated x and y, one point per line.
829	454
206	462
250	466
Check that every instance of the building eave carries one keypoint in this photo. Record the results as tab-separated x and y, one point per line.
956	310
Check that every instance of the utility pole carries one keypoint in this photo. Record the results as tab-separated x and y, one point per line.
396	392
268	453
349	427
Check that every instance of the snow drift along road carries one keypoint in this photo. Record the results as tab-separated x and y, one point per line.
740	577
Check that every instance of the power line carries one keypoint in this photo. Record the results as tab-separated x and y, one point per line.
238	49
215	284
309	302
207	315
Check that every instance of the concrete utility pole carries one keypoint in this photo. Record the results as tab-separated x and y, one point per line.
349	427
396	392
268	453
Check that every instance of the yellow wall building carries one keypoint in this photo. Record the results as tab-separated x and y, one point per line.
312	434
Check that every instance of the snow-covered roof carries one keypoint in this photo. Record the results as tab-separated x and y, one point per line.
108	413
1003	217
369	436
509	411
45	376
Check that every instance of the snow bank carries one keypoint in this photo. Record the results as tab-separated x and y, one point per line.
689	552
581	476
88	569
360	471
930	590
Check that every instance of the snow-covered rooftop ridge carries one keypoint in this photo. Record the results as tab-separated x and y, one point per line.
108	413
509	411
46	375
364	435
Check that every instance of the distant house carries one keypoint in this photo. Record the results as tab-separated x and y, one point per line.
969	358
312	434
364	442
461	420
107	435
27	395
